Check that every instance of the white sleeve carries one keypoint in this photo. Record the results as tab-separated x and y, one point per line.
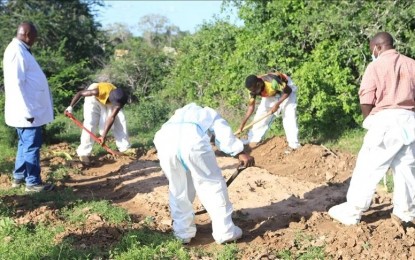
17	79
226	141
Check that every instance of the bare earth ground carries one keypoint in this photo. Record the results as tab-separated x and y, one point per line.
280	204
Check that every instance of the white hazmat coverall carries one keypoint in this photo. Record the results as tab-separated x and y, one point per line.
389	142
95	115
189	163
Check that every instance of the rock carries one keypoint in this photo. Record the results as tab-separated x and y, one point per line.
94	218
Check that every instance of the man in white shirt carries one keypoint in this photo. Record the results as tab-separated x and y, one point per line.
28	106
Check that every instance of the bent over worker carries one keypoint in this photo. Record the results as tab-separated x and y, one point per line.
189	163
386	93
278	96
102	110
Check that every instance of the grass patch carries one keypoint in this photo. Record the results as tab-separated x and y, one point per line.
5	210
350	141
228	252
33	200
80	210
305	247
26	241
148	244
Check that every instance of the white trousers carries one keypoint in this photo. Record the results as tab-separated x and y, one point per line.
192	170
288	111
95	115
383	148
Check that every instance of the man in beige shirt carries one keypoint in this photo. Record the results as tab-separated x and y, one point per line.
386	95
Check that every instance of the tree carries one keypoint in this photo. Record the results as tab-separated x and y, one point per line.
158	31
200	72
141	70
118	33
69	41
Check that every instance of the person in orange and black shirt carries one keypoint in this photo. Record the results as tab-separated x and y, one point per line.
278	95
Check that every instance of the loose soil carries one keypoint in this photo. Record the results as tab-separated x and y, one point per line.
281	203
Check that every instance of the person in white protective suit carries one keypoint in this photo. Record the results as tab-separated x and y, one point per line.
102	110
189	163
386	95
278	96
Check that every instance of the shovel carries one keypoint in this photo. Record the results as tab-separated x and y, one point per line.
254	122
228	182
76	121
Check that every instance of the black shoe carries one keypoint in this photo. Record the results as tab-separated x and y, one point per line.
39	188
16	183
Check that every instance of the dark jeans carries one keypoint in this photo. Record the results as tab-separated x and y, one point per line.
27	165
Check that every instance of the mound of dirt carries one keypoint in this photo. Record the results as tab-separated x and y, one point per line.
281	203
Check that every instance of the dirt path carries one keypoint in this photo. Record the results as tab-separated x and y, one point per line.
281	203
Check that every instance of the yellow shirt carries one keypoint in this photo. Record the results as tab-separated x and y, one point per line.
104	89
274	84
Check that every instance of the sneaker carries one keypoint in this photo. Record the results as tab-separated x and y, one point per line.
237	234
16	183
84	159
291	149
39	188
402	223
404	216
345	214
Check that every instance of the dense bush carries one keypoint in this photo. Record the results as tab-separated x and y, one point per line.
325	52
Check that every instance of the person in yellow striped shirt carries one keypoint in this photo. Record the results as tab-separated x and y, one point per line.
278	96
102	111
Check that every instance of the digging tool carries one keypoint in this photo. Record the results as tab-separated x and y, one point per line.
76	121
228	182
253	123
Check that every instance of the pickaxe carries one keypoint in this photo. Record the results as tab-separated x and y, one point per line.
76	121
228	182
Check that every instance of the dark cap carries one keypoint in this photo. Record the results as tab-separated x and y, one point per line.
118	97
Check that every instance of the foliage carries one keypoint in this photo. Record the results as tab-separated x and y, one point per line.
68	44
387	181
200	72
56	22
149	115
8	134
141	70
158	31
117	33
326	98
324	52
